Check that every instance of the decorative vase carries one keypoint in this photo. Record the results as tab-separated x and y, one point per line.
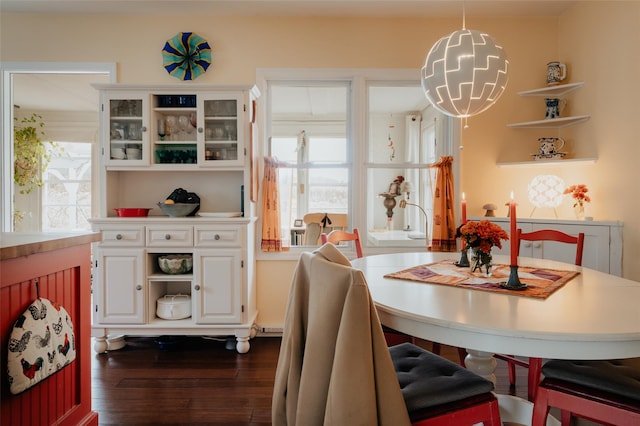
578	209
464	260
481	260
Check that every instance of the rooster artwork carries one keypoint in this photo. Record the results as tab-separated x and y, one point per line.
41	343
29	370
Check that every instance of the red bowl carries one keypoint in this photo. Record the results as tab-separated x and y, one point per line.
132	212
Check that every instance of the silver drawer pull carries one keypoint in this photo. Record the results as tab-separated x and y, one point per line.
216	237
167	236
119	237
197	287
138	287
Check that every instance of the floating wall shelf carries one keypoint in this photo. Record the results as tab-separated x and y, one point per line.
559	90
547	162
554	123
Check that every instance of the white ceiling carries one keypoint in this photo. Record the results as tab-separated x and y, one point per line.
428	8
74	92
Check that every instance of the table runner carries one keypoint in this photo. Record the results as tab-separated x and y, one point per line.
541	282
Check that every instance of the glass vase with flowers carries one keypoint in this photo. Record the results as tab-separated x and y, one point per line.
579	194
481	237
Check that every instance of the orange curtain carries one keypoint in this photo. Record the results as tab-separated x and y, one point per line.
444	228
271	233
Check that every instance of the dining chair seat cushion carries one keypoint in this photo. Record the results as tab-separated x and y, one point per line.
428	380
619	377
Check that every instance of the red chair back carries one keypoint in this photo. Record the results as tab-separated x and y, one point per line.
554	235
338	236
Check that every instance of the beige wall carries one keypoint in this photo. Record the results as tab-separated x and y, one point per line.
598	40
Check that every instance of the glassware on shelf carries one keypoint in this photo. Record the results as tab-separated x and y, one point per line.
171	127
183	124
161	129
230	131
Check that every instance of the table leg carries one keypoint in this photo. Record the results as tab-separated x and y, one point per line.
481	363
513	410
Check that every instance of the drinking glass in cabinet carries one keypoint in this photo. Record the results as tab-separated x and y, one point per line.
162	126
126	108
171	127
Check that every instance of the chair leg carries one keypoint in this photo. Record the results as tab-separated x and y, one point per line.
540	408
535	368
512	372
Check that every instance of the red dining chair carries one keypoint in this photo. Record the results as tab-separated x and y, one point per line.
338	236
534	365
334	366
393	337
606	392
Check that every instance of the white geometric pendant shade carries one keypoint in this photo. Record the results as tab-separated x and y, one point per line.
465	73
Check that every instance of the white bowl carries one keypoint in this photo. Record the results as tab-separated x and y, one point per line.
118	153
134	153
175	263
177	209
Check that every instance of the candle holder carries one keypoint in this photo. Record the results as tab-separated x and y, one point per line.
514	280
464	259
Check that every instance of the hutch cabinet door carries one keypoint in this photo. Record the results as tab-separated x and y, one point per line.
221	126
119	297
217	293
125	130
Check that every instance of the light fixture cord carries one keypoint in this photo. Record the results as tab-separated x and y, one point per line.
464	16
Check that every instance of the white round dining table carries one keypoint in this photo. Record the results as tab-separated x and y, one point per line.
593	316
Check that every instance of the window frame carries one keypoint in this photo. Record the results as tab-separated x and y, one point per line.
357	132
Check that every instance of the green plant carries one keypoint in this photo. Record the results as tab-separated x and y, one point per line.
31	156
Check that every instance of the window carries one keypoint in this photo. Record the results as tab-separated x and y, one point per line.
308	124
341	139
66	192
404	138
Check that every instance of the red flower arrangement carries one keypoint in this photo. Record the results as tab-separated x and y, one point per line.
578	193
482	235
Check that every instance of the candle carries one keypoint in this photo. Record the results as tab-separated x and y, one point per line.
464	209
514	232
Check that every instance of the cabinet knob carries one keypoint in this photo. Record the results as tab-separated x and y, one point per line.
119	237
144	128
197	287
216	237
138	287
200	130
167	236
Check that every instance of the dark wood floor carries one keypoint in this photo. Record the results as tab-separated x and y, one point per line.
197	381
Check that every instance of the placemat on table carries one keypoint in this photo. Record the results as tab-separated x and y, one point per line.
541	282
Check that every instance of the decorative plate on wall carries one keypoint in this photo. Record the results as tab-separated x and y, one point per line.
186	56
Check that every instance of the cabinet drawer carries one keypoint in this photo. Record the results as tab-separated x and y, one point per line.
218	236
123	236
169	237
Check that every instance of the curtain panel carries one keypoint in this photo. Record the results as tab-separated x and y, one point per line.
444	228
271	231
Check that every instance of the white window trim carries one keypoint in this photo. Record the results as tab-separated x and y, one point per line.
7	69
358	134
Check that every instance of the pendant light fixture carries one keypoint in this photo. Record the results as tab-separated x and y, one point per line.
465	72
